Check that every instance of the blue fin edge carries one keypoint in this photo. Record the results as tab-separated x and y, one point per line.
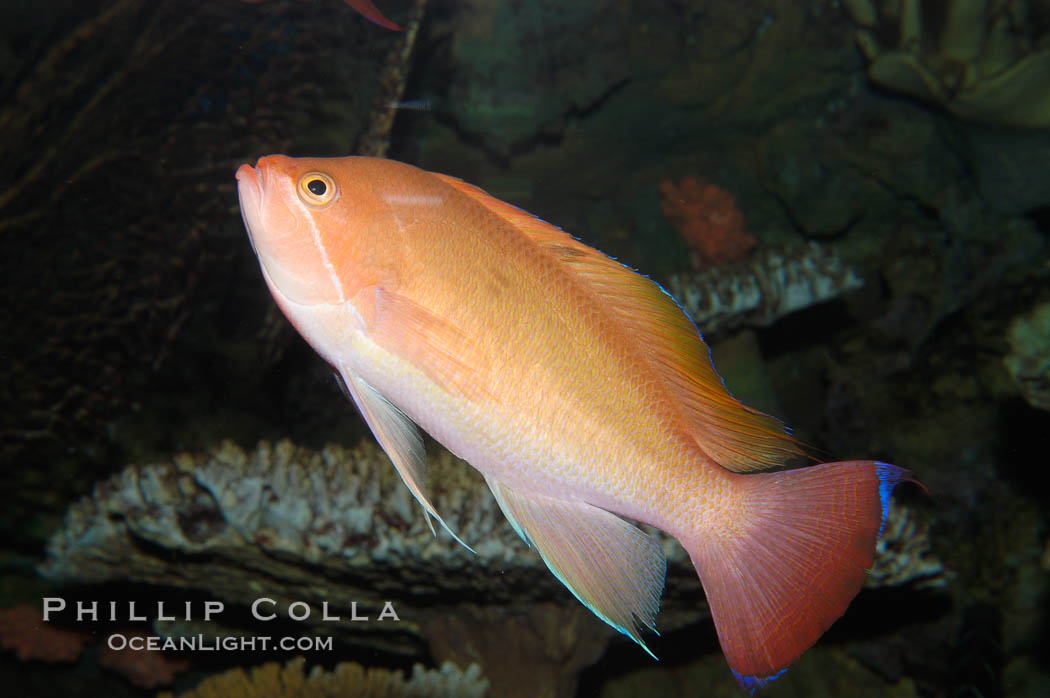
754	683
889	477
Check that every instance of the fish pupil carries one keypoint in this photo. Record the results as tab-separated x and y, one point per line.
317	187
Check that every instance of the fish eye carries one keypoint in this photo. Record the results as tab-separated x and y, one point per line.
317	189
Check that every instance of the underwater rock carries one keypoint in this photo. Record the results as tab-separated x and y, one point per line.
345	680
976	58
773	284
794	159
1010	166
107	271
520	69
1029	358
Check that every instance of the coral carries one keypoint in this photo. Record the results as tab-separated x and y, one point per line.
980	59
773	284
333	524
337	526
22	630
294	524
708	219
144	668
903	554
1029	359
346	680
340	508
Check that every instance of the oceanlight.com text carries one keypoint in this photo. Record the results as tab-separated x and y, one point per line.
204	643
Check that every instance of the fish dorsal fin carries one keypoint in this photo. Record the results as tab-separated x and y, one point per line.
399	438
737	437
614	568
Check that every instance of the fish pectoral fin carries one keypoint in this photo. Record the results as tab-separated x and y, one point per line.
614	568
400	439
434	344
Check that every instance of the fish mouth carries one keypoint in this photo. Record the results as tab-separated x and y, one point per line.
250	189
253	186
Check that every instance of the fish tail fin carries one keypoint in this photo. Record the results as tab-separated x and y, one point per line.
786	556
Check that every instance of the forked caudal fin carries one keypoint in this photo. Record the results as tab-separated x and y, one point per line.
794	551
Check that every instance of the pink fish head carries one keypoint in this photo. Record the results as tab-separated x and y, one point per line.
283	238
326	228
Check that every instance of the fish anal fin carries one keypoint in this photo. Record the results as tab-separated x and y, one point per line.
400	439
614	568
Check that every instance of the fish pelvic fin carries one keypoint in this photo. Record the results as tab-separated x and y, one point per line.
400	439
614	568
735	436
786	558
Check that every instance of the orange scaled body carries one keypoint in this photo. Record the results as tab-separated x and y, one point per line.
577	387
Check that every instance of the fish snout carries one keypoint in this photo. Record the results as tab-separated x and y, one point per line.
249	185
249	195
246	172
283	236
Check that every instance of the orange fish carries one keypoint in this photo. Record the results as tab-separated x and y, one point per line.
578	388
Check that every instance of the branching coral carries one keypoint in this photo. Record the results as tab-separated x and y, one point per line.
773	284
346	680
708	219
